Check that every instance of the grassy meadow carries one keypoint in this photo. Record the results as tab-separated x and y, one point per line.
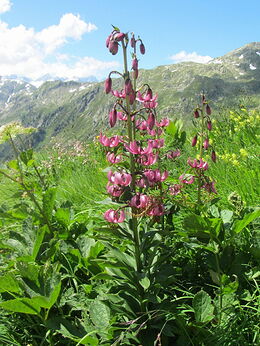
67	277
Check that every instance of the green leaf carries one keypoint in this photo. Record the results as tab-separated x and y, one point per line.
23	305
171	129
62	215
226	215
203	307
8	283
49	201
38	241
239	225
13	164
99	314
145	283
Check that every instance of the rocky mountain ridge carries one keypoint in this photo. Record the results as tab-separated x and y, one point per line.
78	110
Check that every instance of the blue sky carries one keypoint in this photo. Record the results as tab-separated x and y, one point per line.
66	38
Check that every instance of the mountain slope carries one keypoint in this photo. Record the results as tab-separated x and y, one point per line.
79	110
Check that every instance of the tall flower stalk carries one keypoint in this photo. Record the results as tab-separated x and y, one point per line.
136	179
201	140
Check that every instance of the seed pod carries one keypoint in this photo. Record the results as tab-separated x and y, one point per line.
108	85
142	48
194	141
208	109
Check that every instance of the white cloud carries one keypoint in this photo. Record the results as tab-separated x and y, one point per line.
195	57
26	52
5	6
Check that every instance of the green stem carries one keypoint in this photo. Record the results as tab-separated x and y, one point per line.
202	125
133	222
220	287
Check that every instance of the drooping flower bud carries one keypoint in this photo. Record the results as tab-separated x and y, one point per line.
119	36
194	141
113	47
206	143
112	117
209	125
151	120
142	48
134	64
132	97
213	156
108	85
196	114
208	109
128	86
108	40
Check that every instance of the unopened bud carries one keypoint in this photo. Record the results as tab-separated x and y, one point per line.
108	85
108	40
134	64
213	156
132	97
208	109
119	36
151	120
128	87
142	48
194	141
209	125
113	47
196	114
206	144
113	117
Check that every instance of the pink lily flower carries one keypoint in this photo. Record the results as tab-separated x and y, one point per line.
186	178
139	201
157	210
114	216
135	149
114	190
198	164
175	189
173	154
121	116
119	178
210	187
112	158
141	125
163	123
148	160
155	176
109	142
157	143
